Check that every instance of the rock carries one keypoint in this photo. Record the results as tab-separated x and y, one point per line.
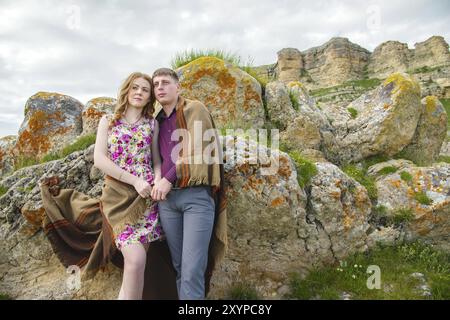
425	196
301	134
52	121
337	215
389	57
232	96
431	131
335	62
430	53
279	105
398	164
385	236
6	156
383	122
94	110
290	65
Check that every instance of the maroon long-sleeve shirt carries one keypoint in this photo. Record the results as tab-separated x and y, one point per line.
166	126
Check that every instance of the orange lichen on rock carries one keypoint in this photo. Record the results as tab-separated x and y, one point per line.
284	168
277	202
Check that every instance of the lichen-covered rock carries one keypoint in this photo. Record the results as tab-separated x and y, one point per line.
308	128
424	191
279	105
301	134
431	131
337	213
94	110
52	121
231	95
6	156
381	122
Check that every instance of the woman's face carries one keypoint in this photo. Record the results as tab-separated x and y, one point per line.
139	94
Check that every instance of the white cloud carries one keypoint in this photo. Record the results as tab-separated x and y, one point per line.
86	48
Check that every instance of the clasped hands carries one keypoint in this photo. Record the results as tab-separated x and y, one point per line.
157	192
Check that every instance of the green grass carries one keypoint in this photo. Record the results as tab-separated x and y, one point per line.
366	84
424	69
242	291
4	296
444	159
361	176
353	112
3	190
305	168
402	215
80	144
187	56
396	264
294	100
387	170
422	198
406	176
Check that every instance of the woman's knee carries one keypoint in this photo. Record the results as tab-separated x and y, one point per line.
134	258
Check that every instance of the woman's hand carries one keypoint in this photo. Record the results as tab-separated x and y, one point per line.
143	188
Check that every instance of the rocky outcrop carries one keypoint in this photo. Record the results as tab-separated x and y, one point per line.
278	104
389	57
422	192
232	96
430	53
52	121
335	62
94	110
290	65
381	122
430	133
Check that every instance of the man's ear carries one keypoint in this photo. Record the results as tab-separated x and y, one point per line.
178	87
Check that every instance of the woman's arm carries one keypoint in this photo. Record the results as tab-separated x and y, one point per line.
156	157
102	161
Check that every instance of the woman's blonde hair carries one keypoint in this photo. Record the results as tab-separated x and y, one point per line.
122	99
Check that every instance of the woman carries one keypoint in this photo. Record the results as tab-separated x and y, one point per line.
125	148
90	233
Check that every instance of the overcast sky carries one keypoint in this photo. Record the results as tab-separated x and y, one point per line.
86	48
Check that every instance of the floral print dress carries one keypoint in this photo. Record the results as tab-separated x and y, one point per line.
129	147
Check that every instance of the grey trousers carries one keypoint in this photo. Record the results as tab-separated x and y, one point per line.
187	218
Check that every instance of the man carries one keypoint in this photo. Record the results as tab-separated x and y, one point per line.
190	193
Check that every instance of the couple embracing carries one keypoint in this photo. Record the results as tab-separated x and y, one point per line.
161	215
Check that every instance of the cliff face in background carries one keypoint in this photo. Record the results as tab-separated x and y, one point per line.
343	67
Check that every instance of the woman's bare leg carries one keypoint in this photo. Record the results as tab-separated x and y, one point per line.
135	256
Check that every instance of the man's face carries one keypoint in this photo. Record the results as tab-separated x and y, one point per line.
166	89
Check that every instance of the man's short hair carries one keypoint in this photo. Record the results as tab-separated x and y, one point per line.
166	72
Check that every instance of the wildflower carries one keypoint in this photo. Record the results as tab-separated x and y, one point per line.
353	276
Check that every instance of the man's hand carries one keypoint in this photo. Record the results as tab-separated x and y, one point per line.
161	189
143	188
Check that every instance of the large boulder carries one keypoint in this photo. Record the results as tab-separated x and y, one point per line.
338	212
421	191
52	121
381	122
279	105
430	133
231	95
94	110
